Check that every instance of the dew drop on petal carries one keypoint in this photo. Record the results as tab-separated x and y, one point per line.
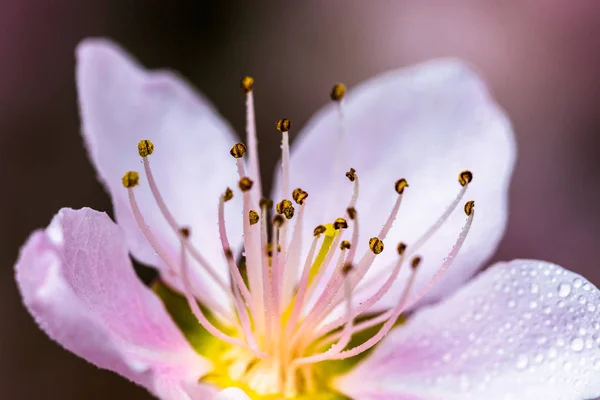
577	344
564	289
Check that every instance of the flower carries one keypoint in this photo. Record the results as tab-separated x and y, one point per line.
326	307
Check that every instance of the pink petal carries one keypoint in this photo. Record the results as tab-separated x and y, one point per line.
77	281
426	123
122	103
232	393
521	330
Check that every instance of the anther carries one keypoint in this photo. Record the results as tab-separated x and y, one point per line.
351	212
400	185
247	84
338	91
465	177
415	262
345	245
131	179
347	268
351	174
238	150
253	216
286	208
185	232
283	125
376	245
401	248
228	254
245	184
145	148
228	194
299	196
340	223
469	207
265	202
278	220
319	229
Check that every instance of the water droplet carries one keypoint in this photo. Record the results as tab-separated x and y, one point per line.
577	283
522	362
564	289
534	288
512	304
577	344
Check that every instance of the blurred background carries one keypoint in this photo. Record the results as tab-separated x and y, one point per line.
541	59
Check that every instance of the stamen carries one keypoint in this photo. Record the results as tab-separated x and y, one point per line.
464	178
253	217
238	150
247	85
244	319
336	348
387	326
299	196
338	92
252	253
376	245
283	126
303	284
233	268
245	184
147	147
404	304
292	262
188	291
449	260
372	300
286	208
131	179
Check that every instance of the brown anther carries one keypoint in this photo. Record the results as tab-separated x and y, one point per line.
465	177
340	223
228	254
400	185
131	179
282	205
278	220
238	150
351	211
401	248
289	212
338	91
253	216
469	207
245	184
185	232
351	174
347	268
145	148
345	245
299	196
415	262
265	202
376	245
283	125
247	84
319	229
228	194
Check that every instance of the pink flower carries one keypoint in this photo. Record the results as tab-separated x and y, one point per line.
329	307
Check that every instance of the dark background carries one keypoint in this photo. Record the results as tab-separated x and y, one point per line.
541	58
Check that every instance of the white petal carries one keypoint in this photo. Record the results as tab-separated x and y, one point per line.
122	103
521	330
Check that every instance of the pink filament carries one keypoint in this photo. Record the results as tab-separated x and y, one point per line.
176	227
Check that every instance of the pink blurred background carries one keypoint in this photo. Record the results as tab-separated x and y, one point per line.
541	59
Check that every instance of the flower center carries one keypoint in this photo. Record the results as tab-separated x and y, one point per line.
292	311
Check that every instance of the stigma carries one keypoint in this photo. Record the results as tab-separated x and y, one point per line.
283	326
